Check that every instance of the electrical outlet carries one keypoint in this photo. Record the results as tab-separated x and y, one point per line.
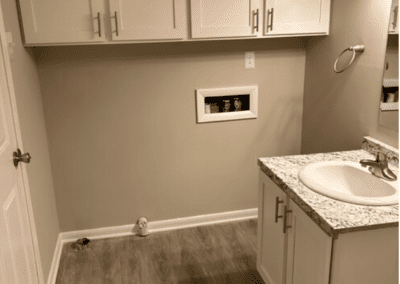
249	60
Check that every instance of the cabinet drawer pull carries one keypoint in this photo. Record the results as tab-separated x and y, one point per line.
98	23
285	211
255	14
116	23
277	201
270	24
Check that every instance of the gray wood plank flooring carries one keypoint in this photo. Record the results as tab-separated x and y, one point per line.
221	253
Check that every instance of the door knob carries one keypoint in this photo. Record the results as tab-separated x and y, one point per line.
19	157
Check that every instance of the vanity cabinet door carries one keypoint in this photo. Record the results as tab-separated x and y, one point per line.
224	18
309	250
147	19
271	256
292	17
57	22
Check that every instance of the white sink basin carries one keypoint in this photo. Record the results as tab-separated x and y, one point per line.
349	182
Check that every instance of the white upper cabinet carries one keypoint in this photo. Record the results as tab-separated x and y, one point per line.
225	18
147	19
286	17
60	21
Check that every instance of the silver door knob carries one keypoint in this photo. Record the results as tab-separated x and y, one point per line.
19	157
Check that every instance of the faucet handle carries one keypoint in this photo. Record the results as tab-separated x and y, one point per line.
381	156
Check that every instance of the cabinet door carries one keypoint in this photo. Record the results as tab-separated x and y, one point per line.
296	17
224	18
147	19
309	250
59	21
271	256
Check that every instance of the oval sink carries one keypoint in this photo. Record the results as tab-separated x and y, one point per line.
349	182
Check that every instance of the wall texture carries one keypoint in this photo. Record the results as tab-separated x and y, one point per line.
123	136
34	138
339	109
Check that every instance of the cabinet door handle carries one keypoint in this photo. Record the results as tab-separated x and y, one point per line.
277	201
270	24
255	14
98	23
116	23
285	211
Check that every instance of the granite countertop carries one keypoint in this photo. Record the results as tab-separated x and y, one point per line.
333	216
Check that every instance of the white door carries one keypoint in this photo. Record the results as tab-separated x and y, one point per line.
225	18
17	259
60	21
296	17
148	19
271	256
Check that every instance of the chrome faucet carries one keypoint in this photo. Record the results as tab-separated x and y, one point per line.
379	167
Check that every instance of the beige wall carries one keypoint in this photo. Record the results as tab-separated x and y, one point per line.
339	109
34	138
122	129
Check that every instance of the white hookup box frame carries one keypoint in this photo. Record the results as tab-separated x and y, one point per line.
201	94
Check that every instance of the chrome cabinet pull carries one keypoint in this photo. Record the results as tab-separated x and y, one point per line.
277	201
98	23
116	23
395	15
270	13
285	211
19	157
255	14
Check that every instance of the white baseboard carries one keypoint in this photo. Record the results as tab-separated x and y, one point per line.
201	220
153	227
158	226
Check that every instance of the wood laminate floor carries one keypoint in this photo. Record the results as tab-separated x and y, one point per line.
221	253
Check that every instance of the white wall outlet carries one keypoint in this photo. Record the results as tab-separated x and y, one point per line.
249	60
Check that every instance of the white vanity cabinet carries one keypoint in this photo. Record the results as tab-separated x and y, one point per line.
306	254
60	22
298	254
147	19
296	17
224	18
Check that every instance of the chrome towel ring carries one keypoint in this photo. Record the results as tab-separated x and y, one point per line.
357	48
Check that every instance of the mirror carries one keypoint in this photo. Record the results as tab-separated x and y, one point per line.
389	105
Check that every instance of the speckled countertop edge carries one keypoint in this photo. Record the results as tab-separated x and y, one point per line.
333	216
